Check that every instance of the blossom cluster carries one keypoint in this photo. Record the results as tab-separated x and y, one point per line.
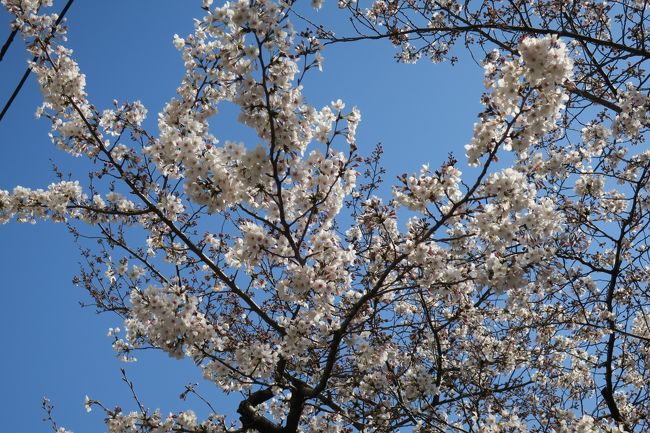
527	97
25	205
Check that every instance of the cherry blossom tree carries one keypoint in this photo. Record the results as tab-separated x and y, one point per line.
511	298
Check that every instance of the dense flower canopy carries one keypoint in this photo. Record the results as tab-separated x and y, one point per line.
511	298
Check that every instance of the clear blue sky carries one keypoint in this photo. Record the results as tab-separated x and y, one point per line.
53	347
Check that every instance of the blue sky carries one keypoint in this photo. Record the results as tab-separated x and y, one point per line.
52	346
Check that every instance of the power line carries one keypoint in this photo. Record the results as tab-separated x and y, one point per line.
29	69
7	43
